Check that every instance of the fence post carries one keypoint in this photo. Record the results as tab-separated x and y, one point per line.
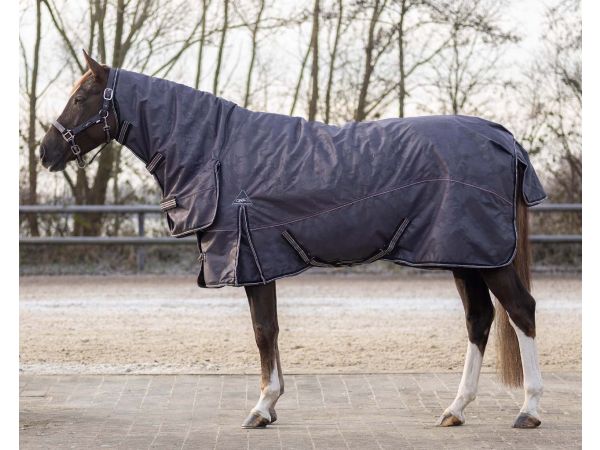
141	251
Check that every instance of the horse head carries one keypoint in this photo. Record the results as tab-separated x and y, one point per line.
88	120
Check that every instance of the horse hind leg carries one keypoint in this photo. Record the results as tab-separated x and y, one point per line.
514	297
479	315
263	309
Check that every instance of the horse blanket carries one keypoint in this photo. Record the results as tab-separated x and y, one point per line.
269	195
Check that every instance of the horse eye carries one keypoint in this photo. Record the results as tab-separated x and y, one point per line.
79	99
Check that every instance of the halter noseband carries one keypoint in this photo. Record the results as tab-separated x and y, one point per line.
102	116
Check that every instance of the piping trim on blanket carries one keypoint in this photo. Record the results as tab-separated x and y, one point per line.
264	227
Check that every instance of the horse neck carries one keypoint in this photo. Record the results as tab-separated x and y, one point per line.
162	113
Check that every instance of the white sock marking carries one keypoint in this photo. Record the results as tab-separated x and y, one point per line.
532	376
268	395
467	390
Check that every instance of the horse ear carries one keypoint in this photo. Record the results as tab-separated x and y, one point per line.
97	69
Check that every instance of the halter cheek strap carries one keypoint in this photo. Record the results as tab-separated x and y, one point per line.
101	117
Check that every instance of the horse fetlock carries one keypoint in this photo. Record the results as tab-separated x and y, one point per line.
263	412
534	391
273	414
468	397
269	396
271	392
460	403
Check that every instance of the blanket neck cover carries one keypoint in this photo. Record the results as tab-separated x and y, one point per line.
269	195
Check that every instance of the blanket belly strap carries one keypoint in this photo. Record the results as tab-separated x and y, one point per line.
318	262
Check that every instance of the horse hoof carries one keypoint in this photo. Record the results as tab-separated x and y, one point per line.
525	420
273	415
255	420
449	420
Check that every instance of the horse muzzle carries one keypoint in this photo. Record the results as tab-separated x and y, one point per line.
52	164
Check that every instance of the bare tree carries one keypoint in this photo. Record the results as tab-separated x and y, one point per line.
314	71
378	41
129	28
221	46
31	92
332	58
384	76
417	43
552	95
382	57
300	77
201	42
467	69
254	28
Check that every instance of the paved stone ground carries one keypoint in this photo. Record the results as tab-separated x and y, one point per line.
373	411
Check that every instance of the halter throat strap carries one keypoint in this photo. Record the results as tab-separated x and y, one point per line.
101	117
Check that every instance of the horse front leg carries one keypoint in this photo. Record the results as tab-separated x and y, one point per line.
479	315
263	309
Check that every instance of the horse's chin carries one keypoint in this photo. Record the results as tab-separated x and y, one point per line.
56	166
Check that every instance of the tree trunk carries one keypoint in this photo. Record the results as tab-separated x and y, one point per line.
117	59
221	46
205	5
127	25
116	189
253	56
91	224
401	61
299	83
100	15
336	40
32	143
80	221
314	72
455	74
360	113
90	47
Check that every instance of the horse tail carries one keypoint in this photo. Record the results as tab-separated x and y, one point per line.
509	359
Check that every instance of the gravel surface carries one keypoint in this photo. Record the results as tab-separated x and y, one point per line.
328	324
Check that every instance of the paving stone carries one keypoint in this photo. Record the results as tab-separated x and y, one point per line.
377	411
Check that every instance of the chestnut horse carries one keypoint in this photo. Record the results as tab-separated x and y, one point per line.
80	129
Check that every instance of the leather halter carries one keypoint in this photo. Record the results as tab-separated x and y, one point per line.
101	117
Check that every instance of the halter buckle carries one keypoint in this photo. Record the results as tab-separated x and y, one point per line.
76	150
81	162
68	135
108	94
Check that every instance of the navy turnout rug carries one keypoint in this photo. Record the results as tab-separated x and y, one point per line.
269	195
